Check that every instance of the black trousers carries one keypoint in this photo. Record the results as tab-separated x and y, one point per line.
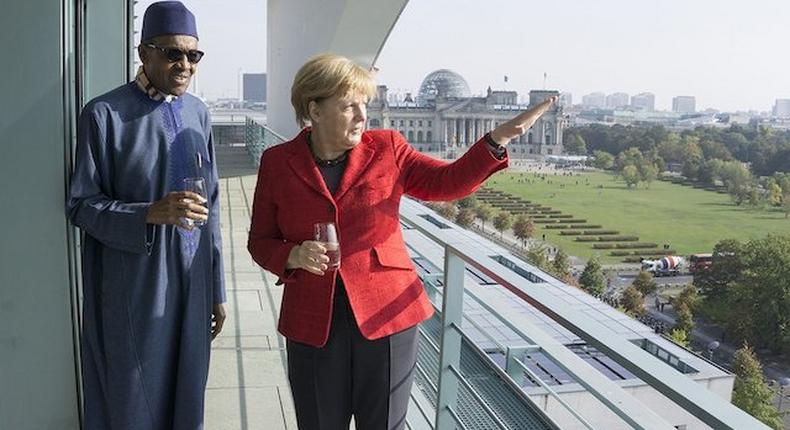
350	375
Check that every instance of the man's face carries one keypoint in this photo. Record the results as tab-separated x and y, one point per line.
167	75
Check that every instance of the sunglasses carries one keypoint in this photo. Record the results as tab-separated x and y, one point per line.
174	55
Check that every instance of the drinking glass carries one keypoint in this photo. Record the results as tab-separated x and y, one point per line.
326	233
197	186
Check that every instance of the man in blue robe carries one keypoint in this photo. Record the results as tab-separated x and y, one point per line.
152	277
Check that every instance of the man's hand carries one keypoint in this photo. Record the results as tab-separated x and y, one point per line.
310	256
521	123
217	320
176	208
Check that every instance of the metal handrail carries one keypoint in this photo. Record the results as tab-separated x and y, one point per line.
685	392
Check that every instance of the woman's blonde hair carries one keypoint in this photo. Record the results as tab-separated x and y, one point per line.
324	76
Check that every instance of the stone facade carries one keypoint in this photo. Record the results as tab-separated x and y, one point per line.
452	124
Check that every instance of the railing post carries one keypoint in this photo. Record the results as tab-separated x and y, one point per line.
512	367
450	354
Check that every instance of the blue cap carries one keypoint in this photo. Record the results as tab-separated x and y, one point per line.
167	18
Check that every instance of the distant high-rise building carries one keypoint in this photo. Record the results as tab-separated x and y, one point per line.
595	100
616	100
644	101
782	108
566	100
684	104
254	85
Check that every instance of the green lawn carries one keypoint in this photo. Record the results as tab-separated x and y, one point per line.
689	220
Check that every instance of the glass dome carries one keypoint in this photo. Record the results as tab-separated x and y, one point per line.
442	82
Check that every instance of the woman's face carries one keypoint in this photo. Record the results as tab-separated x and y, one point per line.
340	120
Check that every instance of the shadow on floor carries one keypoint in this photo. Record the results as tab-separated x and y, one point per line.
234	161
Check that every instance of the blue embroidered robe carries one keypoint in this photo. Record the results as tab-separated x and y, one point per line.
148	289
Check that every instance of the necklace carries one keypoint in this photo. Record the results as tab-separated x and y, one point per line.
322	162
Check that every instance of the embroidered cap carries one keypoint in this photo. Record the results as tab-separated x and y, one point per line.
166	18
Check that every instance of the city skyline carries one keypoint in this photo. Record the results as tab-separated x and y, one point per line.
724	53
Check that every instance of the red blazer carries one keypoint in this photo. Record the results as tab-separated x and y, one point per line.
385	293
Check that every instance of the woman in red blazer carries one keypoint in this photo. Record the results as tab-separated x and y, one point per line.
352	331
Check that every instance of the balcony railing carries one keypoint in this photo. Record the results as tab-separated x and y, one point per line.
459	384
258	137
459	394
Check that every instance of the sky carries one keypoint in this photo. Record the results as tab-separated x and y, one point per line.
729	54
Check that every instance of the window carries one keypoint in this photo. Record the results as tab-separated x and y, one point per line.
529	138
430	123
419	123
549	151
411	135
419	136
401	123
435	221
516	267
392	123
429	136
411	123
548	139
375	123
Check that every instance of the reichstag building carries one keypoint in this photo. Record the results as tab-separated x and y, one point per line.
445	117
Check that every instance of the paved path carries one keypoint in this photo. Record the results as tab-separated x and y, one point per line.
247	387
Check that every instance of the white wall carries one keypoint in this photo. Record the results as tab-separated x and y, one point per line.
297	30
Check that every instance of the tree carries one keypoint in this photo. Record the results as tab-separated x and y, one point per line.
738	180
670	149
502	222
644	283
750	392
630	157
633	301
574	144
483	213
761	294
536	254
592	279
749	280
688	297
728	263
602	160
774	194
447	210
648	172
680	337
523	228
561	266
465	217
468	202
685	319
630	175
783	182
